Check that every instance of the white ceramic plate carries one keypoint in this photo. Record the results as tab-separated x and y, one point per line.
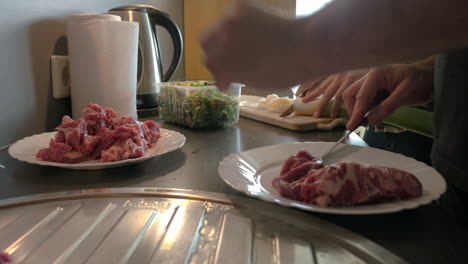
26	149
252	172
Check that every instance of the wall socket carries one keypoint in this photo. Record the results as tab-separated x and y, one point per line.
60	69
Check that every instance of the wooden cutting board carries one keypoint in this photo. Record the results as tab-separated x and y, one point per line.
292	122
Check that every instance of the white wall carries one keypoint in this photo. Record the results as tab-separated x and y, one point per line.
29	30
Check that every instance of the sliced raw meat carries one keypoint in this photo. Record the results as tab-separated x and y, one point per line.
129	131
56	149
151	132
121	150
98	136
125	120
97	116
71	132
5	258
63	153
90	144
291	190
298	159
294	172
351	183
106	140
305	178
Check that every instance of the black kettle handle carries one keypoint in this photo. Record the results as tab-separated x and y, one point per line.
164	20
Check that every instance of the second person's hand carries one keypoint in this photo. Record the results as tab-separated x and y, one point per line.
329	87
254	47
384	89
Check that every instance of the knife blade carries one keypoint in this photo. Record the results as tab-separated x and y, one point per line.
290	109
346	135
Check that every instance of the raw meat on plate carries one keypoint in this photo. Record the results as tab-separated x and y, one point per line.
5	258
304	178
99	136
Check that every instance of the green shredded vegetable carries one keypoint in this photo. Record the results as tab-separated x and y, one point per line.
197	108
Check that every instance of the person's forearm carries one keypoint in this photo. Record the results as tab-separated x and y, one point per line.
351	34
426	63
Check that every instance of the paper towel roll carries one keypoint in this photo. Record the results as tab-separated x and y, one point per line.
80	18
103	54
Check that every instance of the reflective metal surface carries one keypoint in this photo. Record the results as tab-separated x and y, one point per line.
410	234
136	225
150	70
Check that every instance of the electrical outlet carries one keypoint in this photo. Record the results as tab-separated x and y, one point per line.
60	76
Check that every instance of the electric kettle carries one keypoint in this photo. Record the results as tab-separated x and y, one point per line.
149	56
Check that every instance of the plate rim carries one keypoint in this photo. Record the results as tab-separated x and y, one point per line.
328	210
101	165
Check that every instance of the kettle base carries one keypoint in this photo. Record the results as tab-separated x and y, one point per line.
146	101
148	112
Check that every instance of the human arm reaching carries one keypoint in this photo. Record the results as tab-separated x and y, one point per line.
257	48
330	87
384	89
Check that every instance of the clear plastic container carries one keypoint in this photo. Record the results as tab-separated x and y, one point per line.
199	104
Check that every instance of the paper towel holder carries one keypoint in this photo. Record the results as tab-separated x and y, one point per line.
149	71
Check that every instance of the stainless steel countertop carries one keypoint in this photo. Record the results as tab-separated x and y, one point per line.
153	225
192	167
423	235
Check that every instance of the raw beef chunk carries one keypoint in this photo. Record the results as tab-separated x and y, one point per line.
304	178
98	136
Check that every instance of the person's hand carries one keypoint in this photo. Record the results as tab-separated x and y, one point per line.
329	87
254	47
384	89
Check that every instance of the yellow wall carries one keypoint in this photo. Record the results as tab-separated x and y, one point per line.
199	15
